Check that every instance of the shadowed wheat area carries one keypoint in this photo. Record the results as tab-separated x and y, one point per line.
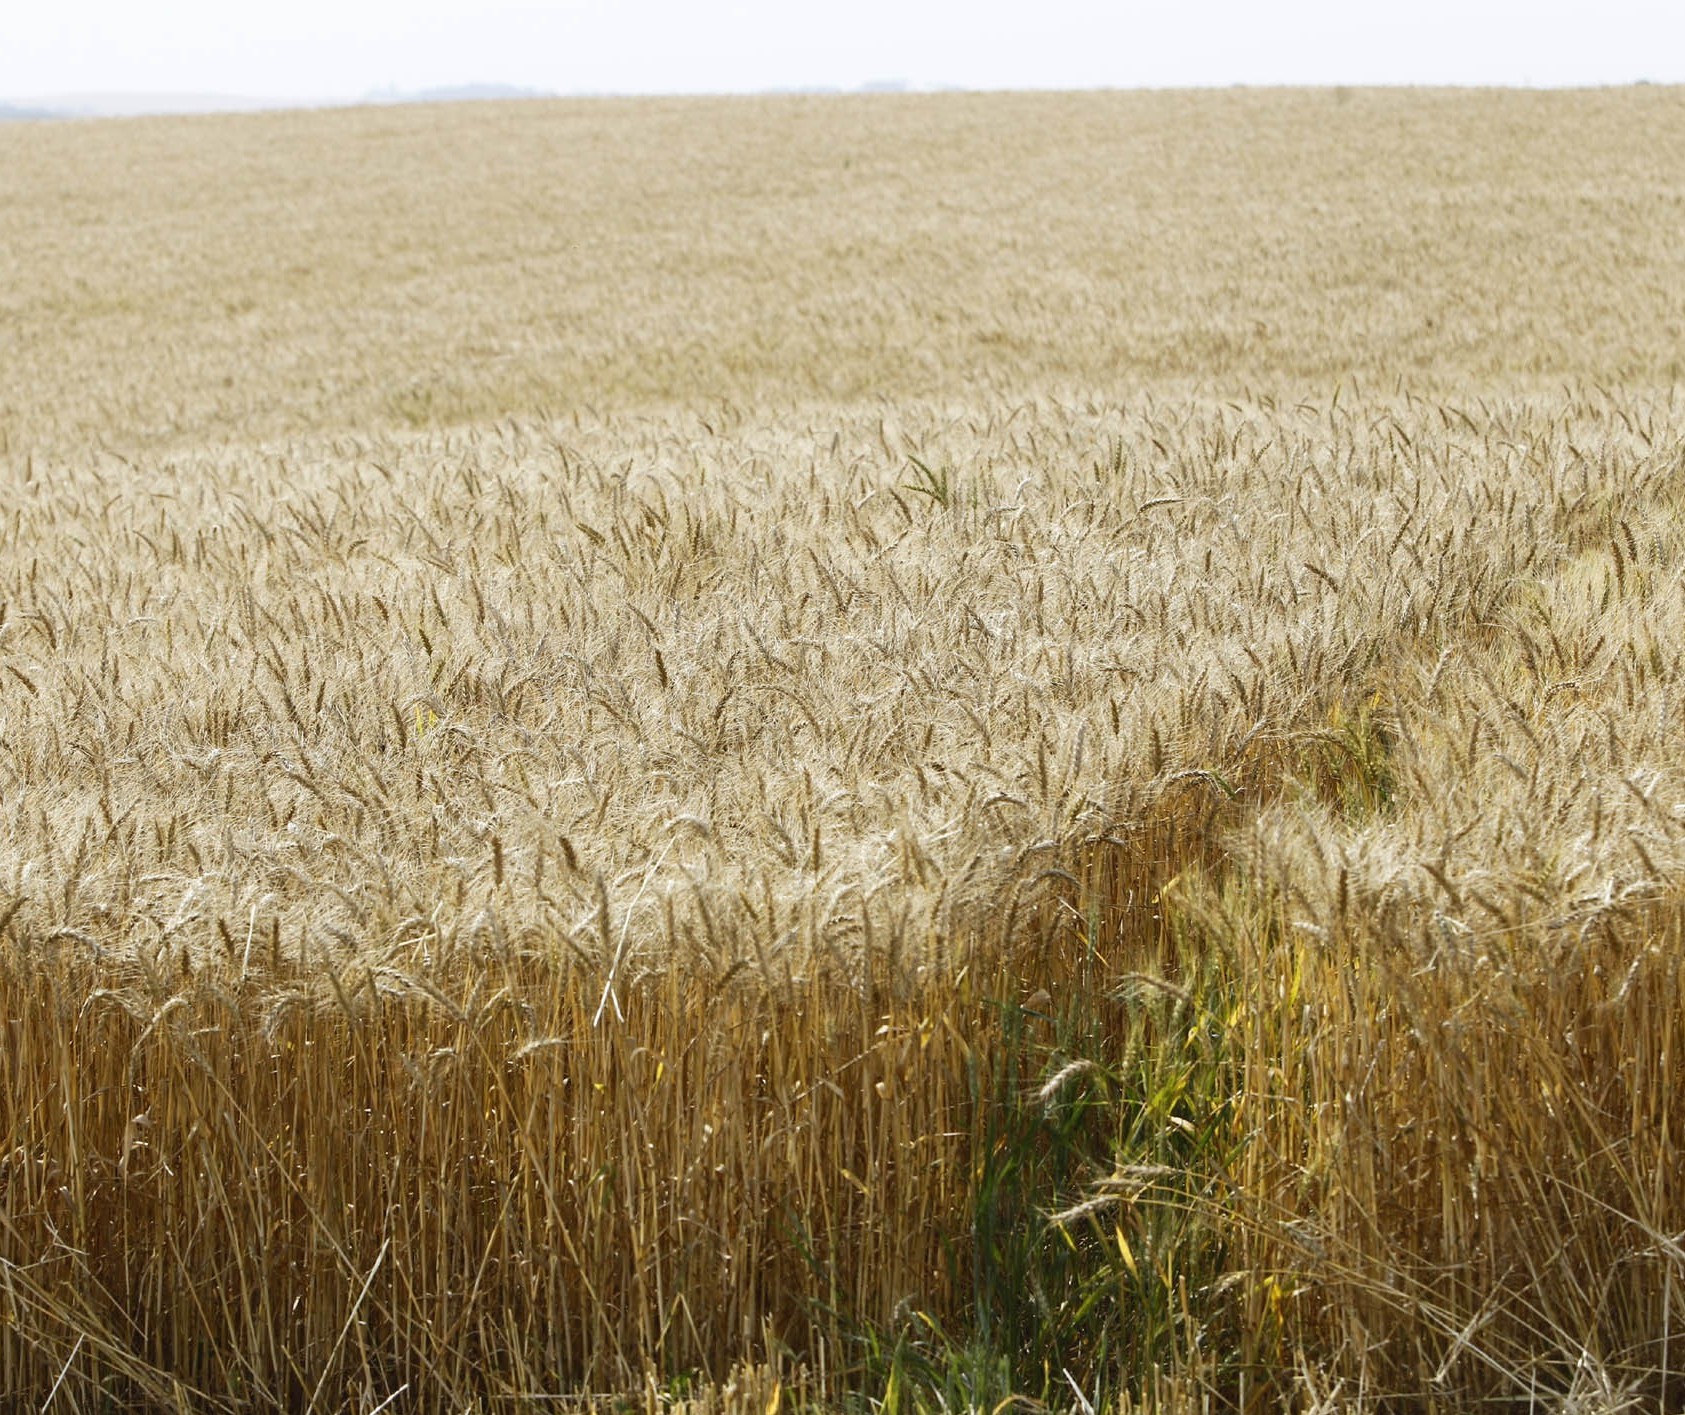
895	753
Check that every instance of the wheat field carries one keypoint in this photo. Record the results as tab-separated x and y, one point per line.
911	753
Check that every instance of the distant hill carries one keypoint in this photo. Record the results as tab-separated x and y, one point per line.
456	93
136	105
12	113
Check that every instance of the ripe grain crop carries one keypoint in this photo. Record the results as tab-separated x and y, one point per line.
785	751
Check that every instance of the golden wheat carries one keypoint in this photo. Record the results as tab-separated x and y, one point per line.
617	719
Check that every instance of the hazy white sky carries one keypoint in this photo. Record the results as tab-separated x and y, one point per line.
343	48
